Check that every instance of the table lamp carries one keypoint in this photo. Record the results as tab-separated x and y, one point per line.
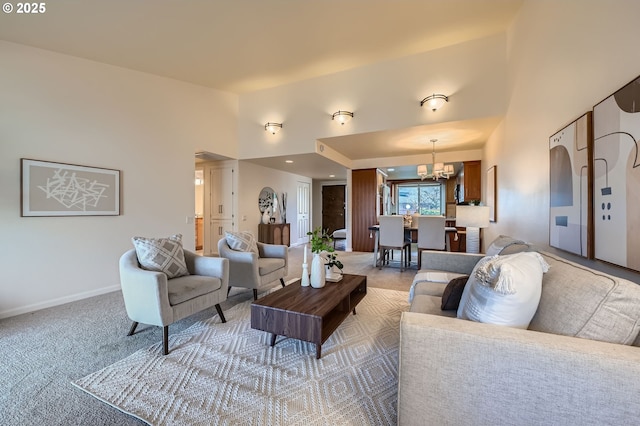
473	218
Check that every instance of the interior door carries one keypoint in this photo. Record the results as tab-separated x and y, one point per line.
303	207
333	207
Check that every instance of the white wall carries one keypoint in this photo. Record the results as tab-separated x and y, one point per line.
251	179
60	108
563	58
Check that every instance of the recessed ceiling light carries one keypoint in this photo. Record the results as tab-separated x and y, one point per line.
390	169
288	161
332	175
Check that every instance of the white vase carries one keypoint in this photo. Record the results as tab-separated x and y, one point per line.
266	217
317	271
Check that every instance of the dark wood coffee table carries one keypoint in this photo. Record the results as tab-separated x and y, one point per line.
307	313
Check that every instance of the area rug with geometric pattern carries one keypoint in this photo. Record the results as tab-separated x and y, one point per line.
228	374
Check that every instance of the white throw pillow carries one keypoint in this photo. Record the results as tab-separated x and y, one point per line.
241	241
504	290
162	255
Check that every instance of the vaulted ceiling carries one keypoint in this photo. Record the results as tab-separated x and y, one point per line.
247	45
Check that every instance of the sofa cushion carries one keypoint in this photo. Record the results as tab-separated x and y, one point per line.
241	241
431	282
189	287
452	293
581	302
504	244
161	255
504	290
425	304
500	243
267	265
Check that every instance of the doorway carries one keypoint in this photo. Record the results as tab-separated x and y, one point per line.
303	207
333	207
199	209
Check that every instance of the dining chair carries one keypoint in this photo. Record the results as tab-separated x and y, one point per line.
431	235
392	237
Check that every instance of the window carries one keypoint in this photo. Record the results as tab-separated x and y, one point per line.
421	198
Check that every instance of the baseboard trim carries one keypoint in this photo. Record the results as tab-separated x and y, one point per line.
56	302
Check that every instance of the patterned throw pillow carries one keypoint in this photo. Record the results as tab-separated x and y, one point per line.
162	255
241	241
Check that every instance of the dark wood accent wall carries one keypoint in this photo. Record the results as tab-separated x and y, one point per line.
364	193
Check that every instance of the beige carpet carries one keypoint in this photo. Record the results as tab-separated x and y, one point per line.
227	374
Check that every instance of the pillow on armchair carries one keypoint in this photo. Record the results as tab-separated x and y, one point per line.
161	255
241	241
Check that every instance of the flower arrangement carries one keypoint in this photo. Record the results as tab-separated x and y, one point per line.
321	243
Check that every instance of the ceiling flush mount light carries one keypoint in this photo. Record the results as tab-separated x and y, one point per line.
434	101
438	170
342	116
273	128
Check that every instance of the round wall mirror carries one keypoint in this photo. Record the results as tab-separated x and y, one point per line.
266	199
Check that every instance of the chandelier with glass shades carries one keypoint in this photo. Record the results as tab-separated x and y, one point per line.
438	170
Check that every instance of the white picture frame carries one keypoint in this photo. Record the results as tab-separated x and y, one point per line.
60	189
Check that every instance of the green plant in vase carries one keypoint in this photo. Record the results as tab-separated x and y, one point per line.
321	245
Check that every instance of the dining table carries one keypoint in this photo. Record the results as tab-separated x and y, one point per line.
374	232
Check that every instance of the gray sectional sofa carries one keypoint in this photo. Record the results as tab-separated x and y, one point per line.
562	370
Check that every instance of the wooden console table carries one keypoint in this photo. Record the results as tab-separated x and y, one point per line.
307	313
274	233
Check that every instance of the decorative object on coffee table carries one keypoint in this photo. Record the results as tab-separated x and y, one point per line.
332	263
304	281
323	255
318	277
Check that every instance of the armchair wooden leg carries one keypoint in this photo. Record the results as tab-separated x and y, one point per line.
282	281
255	294
133	328
165	340
220	314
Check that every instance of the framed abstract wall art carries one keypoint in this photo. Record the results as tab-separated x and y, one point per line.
570	192
616	129
58	189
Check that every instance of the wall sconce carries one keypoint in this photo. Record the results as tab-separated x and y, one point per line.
473	218
273	128
342	116
435	101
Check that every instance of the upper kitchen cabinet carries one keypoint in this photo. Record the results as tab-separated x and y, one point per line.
470	181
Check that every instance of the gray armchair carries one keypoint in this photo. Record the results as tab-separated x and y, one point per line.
151	298
255	271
